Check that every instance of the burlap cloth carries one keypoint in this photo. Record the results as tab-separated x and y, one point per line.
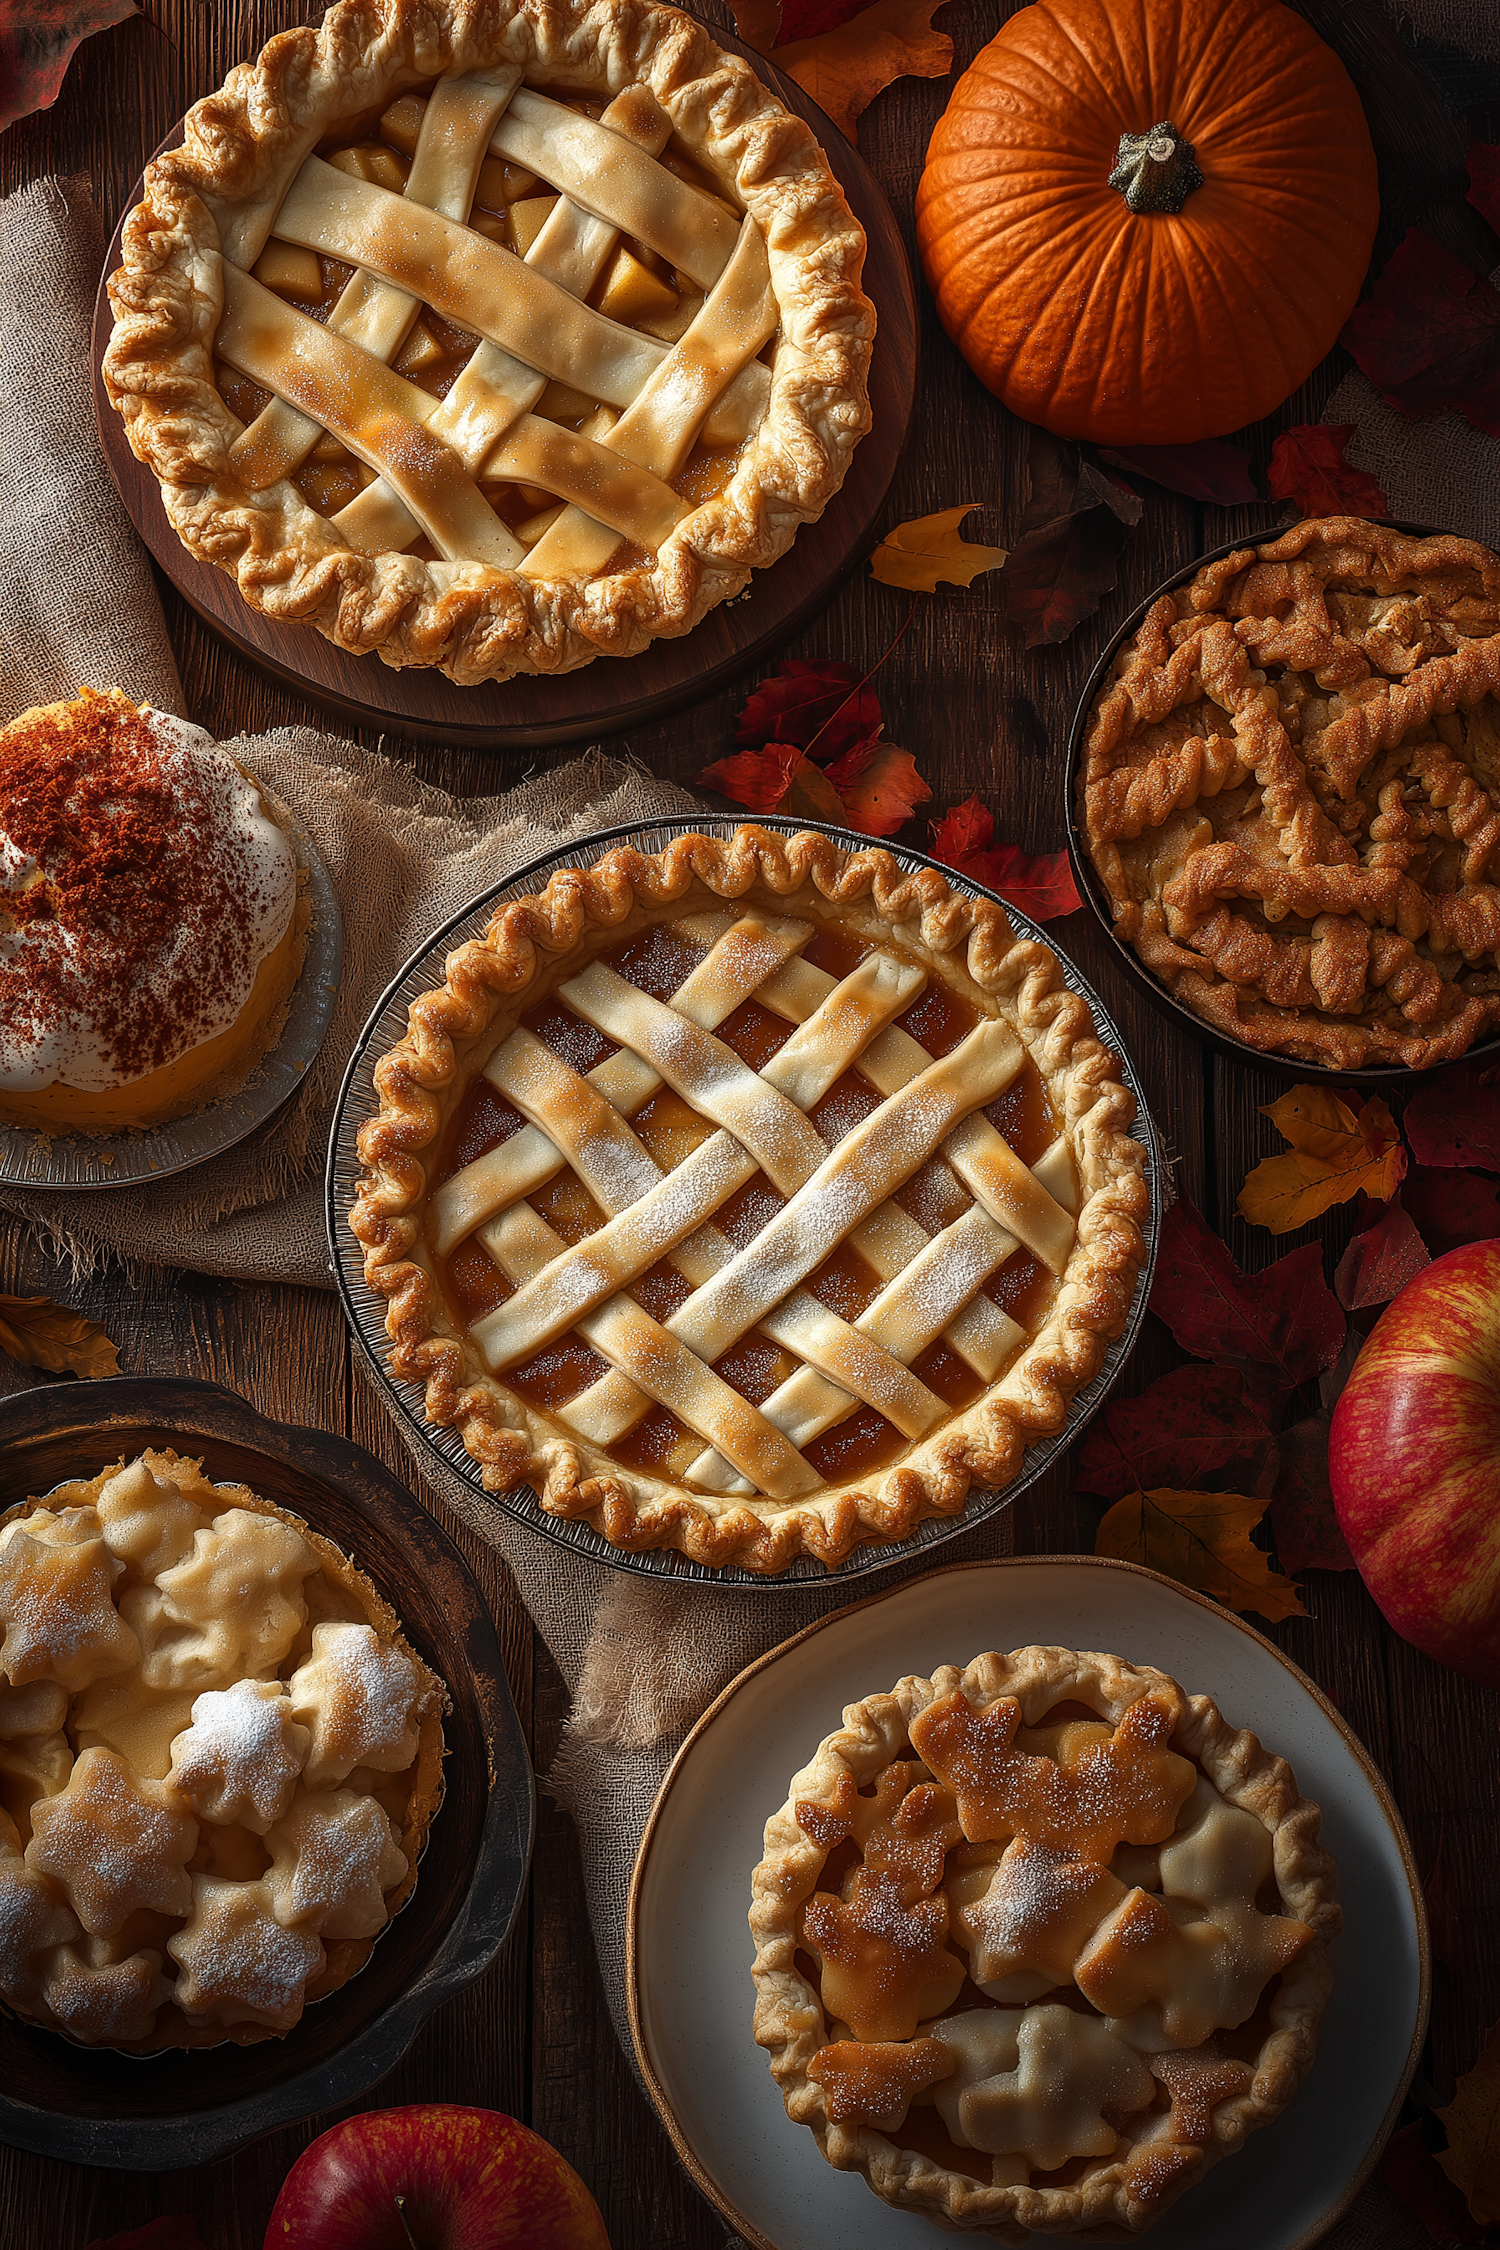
78	606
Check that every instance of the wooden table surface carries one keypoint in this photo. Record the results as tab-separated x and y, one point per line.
980	713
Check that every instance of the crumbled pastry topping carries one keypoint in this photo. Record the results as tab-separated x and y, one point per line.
190	1764
1042	1912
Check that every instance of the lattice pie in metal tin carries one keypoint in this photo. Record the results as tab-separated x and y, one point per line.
1038	1941
1290	787
753	1198
492	338
218	1761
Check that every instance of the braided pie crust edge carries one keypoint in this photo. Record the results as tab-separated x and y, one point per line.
472	621
789	2018
970	945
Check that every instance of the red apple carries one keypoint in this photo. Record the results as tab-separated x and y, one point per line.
436	2177
1414	1461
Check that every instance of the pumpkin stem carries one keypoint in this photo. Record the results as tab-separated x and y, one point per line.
1155	171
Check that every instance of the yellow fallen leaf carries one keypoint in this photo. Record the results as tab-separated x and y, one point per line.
757	22
1202	1539
41	1334
1472	2157
1334	1153
917	554
845	69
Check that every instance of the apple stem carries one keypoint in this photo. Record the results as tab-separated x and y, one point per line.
405	2229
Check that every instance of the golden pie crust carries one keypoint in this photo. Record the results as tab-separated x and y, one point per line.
249	150
219	1759
1062	1795
1290	787
799	1420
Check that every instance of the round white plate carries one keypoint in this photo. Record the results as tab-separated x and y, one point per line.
689	1949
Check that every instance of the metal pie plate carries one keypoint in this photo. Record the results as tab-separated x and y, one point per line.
29	1158
366	1310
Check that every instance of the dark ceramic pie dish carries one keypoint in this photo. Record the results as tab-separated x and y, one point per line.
165	2111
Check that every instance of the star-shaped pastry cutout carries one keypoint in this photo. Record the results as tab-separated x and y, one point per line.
358	1696
33	1920
58	1611
145	1519
333	1859
113	1844
886	1966
230	1610
237	1764
102	2001
1035	1913
239	1964
874	2082
905	1830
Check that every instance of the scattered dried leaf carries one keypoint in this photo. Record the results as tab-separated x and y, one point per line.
1335	1151
1039	884
1472	2157
779	778
1429	337
1308	468
807	701
1212	470
37	43
1456	1120
1066	560
1280	1327
1304	1521
845	68
877	786
1187	1426
1202	1539
41	1334
1451	1207
917	554
1410	2170
1380	1261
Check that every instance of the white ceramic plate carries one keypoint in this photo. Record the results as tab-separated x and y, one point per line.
689	1949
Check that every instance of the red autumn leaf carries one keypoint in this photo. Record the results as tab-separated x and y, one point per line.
1211	470
1074	528
878	787
37	40
1451	1207
1457	1121
1484	181
1380	1261
807	700
1412	2173
777	779
1303	1519
1281	1326
1040	885
809	19
174	2233
1309	469
961	839
1429	337
1185	1428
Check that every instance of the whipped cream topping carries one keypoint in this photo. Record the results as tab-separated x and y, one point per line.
142	884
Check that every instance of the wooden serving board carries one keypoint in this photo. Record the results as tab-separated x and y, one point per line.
612	693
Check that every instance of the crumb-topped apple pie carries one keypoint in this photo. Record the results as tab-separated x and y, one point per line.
496	338
1040	1940
1290	787
218	1760
754	1197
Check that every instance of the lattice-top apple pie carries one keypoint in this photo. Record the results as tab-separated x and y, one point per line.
492	338
753	1198
1040	1940
218	1761
1291	791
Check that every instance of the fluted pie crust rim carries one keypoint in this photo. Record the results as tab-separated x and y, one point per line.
472	621
530	946
789	2020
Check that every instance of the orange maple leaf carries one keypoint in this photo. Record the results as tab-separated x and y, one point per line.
1472	2157
779	778
1335	1151
878	785
917	554
845	69
1202	1539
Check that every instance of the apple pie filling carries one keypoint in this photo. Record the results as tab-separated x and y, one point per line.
660	961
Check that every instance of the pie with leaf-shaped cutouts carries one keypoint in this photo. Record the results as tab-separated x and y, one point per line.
492	339
1038	1941
753	1198
1290	786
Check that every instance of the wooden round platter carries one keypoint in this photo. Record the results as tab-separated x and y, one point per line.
611	694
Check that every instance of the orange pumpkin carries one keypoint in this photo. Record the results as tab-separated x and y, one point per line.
1146	221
